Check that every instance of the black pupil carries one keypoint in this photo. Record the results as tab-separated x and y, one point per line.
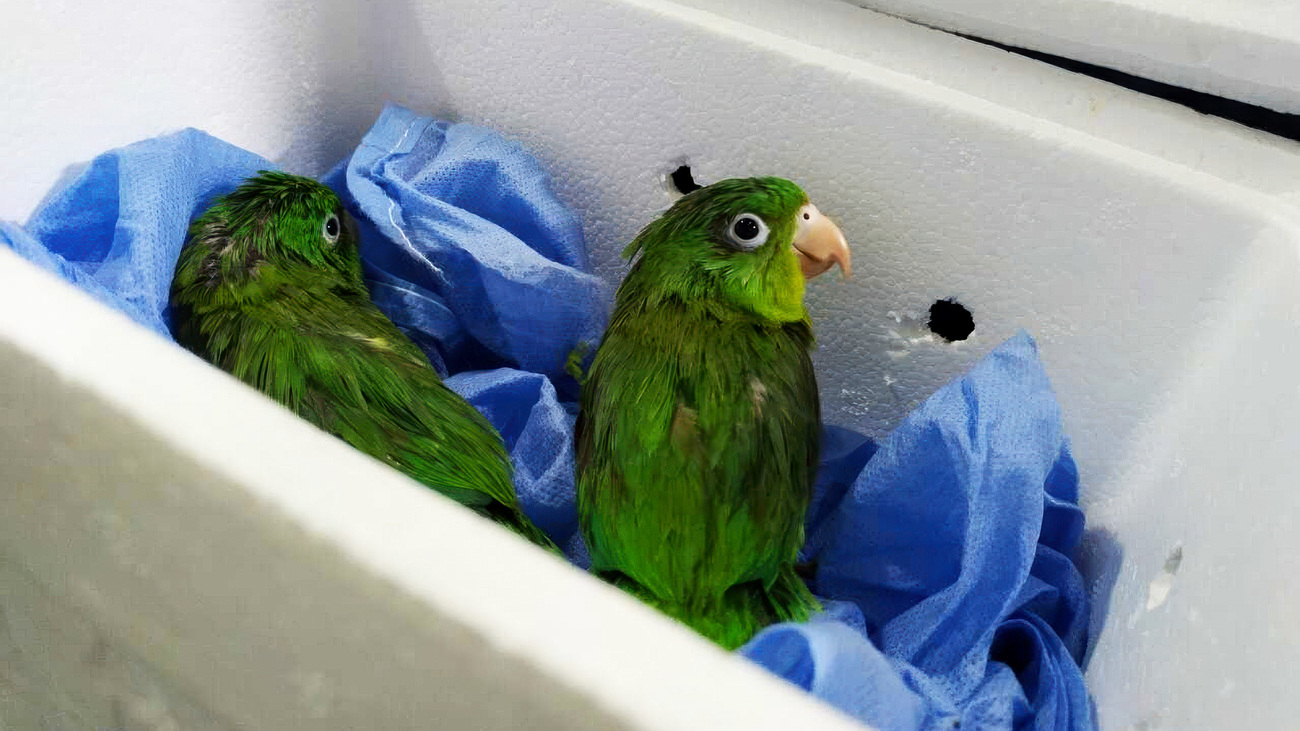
332	227
746	229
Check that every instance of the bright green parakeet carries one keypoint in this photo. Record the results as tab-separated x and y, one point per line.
697	440
269	288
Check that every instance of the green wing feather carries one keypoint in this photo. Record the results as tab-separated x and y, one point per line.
693	492
312	340
697	439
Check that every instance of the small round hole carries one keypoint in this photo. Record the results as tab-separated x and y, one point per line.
950	320
682	180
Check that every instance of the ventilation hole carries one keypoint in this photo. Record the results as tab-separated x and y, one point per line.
1174	561
682	180
951	321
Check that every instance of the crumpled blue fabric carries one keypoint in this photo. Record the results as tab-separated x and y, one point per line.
538	430
467	249
116	228
953	543
944	553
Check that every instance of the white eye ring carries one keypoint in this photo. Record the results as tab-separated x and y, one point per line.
747	231
331	229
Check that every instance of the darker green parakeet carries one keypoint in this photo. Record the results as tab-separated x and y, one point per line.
697	439
269	288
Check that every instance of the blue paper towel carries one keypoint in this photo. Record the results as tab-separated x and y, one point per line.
952	544
944	551
116	229
466	247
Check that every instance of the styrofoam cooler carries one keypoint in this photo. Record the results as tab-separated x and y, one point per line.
1245	50
178	552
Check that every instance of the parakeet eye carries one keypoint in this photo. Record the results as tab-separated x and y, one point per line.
747	231
331	229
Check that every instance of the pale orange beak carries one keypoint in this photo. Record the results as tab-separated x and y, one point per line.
819	244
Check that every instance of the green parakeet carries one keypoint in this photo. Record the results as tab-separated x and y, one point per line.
697	439
269	288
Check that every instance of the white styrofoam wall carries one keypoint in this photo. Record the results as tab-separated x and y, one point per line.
1243	50
1150	251
177	551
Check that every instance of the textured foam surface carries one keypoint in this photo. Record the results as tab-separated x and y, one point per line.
1239	50
1151	251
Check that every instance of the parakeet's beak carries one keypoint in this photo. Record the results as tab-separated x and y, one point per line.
819	244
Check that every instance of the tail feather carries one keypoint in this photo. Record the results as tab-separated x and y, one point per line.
515	520
743	611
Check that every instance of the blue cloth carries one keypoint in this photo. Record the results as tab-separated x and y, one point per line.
538	431
116	228
953	545
945	552
467	249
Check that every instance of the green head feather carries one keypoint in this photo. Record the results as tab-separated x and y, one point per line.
726	246
697	440
269	288
274	221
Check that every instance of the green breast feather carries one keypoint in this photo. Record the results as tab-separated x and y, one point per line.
697	440
269	288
